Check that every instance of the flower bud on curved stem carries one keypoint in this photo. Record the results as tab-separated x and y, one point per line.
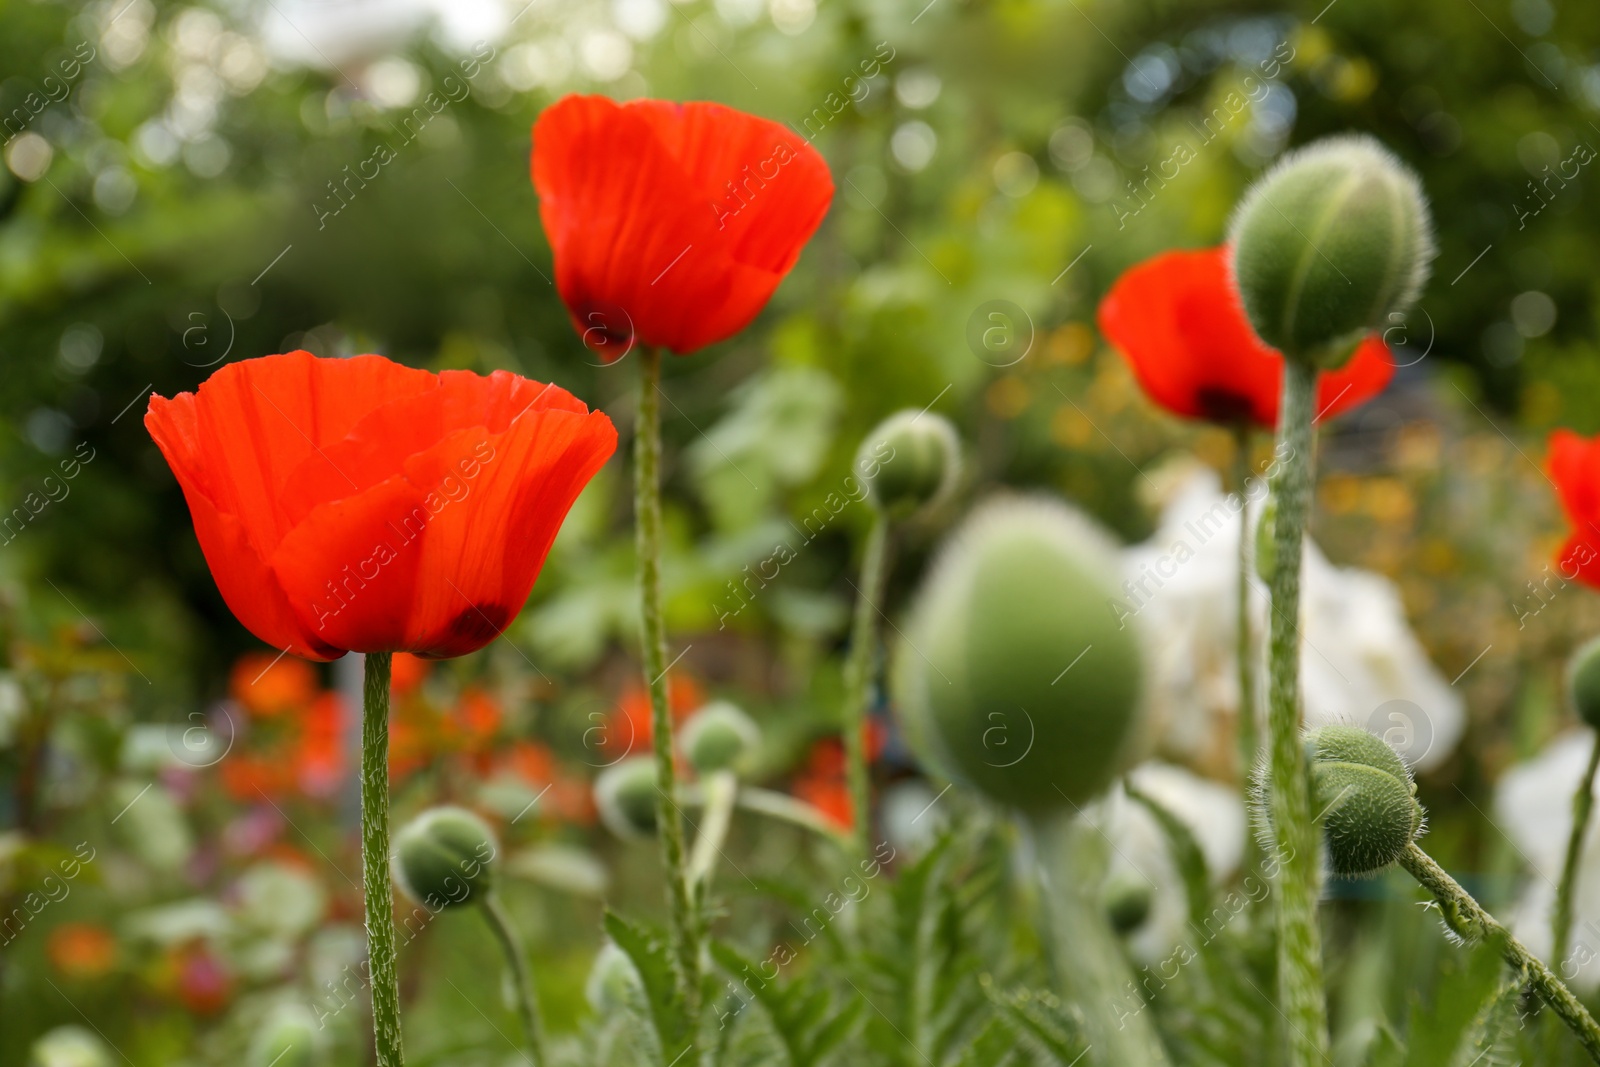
1365	797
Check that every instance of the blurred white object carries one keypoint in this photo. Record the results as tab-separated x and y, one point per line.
330	33
1213	813
1533	806
1360	663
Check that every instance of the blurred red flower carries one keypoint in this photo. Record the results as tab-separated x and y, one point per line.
1178	321
628	729
671	223
566	797
831	796
406	673
199	979
358	505
1574	465
265	684
81	950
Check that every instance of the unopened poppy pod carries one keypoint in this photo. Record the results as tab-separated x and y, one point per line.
359	505
1013	675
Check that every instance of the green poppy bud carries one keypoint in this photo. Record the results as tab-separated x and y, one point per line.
718	737
445	857
1365	797
625	794
1583	682
910	461
1127	900
289	1037
1013	674
1330	244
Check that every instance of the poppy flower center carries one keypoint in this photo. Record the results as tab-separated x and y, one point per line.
1223	405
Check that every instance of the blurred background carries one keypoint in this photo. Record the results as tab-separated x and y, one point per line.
189	184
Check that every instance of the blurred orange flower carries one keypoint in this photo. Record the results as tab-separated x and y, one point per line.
628	729
828	795
269	685
407	673
81	950
566	797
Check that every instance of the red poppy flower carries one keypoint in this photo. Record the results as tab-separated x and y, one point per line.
630	727
1574	465
1178	321
671	223
358	505
830	796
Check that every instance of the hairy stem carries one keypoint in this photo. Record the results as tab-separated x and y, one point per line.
1090	968
1582	806
527	1004
1466	917
1303	998
653	635
381	954
1244	640
858	677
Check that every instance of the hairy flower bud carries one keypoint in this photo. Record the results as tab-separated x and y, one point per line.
625	794
1583	682
1366	799
718	737
1330	244
445	857
910	461
1013	674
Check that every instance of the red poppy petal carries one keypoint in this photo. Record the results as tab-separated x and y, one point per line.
256	421
493	551
651	236
439	558
247	585
1176	320
377	445
1368	373
1574	465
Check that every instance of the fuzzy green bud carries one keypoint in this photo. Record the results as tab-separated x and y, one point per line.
720	736
625	794
1014	674
1365	796
289	1037
1127	899
1583	682
1333	242
445	857
910	461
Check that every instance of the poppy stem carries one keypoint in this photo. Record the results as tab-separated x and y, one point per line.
1467	919
1304	999
858	678
1088	966
1245	647
500	923
381	954
685	926
1582	807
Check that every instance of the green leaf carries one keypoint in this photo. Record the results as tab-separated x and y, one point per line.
649	955
802	1012
1186	852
